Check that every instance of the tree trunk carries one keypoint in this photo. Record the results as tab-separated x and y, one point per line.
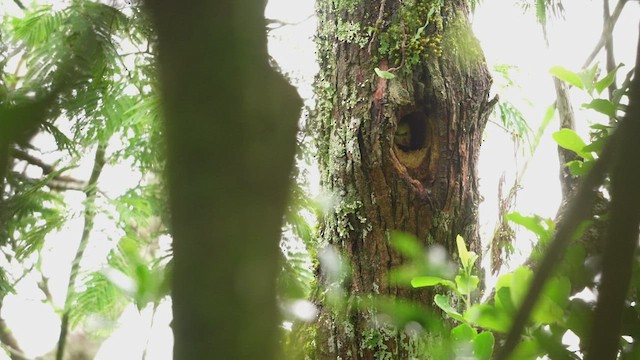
230	127
396	154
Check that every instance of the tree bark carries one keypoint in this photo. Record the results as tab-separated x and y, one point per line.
398	154
230	124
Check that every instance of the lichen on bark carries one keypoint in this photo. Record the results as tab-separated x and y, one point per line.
425	185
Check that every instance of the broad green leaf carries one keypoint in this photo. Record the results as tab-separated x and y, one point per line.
483	345
607	80
443	303
570	140
588	77
567	76
488	317
558	290
425	281
502	300
463	332
467	284
384	74
527	350
504	281
462	339
532	223
520	280
602	106
546	311
573	267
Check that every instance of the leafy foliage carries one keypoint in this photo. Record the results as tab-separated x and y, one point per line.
89	71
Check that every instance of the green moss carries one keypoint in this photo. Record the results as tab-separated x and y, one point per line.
346	5
414	34
460	42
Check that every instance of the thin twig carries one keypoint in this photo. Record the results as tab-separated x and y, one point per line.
47	169
607	28
274	24
608	48
378	23
89	215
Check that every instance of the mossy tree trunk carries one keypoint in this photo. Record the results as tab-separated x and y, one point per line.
396	154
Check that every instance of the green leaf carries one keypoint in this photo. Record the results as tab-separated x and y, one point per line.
541	12
467	258
384	74
572	265
520	280
527	350
567	76
463	333
597	145
602	106
547	311
483	345
502	300
466	283
462	337
570	140
588	77
533	224
443	303
579	168
607	80
426	281
558	290
504	281
488	317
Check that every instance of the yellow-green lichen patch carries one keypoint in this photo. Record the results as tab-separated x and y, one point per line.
351	32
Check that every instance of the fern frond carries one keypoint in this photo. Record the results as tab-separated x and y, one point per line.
99	297
37	26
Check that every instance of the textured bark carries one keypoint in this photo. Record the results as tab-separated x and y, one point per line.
567	121
230	126
426	186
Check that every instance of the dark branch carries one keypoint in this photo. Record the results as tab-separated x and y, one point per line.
274	24
607	29
622	234
579	209
71	183
20	4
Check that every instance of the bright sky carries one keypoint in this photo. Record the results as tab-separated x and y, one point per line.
507	37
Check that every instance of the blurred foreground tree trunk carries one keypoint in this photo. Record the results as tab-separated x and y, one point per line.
397	151
230	127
